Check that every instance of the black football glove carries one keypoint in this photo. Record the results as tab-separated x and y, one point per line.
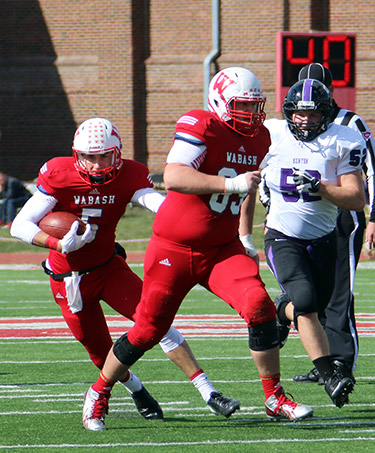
119	250
264	194
305	182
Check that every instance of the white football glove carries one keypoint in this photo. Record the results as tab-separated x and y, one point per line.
305	182
247	242
72	241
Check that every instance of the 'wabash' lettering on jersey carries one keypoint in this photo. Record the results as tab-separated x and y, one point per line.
91	200
210	220
102	206
242	159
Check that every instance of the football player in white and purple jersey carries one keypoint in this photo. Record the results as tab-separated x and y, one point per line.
312	168
339	320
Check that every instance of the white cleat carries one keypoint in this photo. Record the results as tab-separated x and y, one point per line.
279	406
95	408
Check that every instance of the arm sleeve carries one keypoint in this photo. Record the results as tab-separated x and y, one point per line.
25	225
148	198
357	123
186	151
370	175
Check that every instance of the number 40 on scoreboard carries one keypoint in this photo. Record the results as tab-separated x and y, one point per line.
336	51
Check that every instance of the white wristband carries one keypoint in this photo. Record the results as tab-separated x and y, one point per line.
247	242
237	184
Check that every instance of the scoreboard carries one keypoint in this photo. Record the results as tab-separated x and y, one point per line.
336	51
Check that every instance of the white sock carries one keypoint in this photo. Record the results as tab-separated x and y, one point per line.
204	386
133	383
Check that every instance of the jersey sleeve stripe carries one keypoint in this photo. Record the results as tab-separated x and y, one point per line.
189	139
346	120
191	120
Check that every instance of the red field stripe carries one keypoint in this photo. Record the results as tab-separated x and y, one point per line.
188	325
30	334
115	318
6	321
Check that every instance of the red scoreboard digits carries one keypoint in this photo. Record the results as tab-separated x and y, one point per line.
336	51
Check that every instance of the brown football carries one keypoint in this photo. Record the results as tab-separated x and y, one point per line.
58	223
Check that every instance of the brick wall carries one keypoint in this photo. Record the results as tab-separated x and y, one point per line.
61	62
140	64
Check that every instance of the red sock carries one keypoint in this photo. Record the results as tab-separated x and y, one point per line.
270	384
127	377
197	373
103	385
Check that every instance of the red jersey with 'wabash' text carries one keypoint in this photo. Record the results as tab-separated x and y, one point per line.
100	205
212	219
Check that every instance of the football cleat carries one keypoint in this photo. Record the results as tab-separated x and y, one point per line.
279	406
95	408
221	405
312	376
344	369
282	327
146	405
338	388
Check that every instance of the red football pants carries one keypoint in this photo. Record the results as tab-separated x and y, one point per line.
172	270
118	286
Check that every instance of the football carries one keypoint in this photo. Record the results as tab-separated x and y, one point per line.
58	223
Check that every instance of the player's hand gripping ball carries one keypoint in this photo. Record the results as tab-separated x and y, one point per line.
58	224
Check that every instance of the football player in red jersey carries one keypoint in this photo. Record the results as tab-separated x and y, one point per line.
211	168
96	184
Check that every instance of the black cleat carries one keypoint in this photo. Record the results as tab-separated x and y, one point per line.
312	376
282	327
146	405
221	405
338	388
343	369
343	372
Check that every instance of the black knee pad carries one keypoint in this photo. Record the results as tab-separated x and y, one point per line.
125	352
264	336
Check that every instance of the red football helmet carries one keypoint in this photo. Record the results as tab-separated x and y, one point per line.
97	136
230	87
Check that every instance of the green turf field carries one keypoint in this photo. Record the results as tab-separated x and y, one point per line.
43	378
